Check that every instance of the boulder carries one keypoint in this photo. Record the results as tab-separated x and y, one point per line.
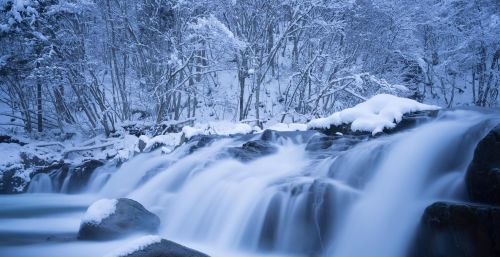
408	121
165	248
252	150
294	136
483	175
129	217
320	142
200	141
458	230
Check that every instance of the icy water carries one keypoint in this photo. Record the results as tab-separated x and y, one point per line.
357	198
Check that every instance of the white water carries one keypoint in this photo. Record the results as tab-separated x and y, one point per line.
363	201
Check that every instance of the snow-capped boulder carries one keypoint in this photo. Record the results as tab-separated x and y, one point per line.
112	218
458	230
378	114
483	174
155	246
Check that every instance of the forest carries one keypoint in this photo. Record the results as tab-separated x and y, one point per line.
92	65
249	128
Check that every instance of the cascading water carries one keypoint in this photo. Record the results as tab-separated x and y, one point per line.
356	197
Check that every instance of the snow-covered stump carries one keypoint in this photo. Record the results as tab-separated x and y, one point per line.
113	218
155	246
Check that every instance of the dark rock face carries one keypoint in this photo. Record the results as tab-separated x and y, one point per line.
458	230
201	141
80	175
141	144
129	217
411	120
252	150
408	121
9	140
295	136
483	175
321	142
10	183
166	248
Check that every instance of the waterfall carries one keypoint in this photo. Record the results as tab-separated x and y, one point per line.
359	196
381	221
361	199
41	183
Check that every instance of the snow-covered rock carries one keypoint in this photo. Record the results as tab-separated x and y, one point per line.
168	141
223	128
288	127
154	246
113	218
135	246
99	210
22	161
374	115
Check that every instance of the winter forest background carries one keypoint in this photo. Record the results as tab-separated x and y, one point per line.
92	65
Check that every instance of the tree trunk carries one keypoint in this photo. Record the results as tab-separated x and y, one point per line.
39	107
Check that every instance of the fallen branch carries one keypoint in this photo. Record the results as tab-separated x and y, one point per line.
79	149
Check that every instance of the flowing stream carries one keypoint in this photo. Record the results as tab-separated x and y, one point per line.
359	197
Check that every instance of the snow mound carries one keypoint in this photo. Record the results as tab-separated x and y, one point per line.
374	115
288	127
169	141
99	210
223	128
136	245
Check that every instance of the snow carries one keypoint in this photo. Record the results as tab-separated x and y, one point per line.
374	115
224	128
136	245
10	155
99	210
170	141
288	127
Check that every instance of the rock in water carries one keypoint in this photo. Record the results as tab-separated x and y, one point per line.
483	175
164	248
252	150
128	217
458	230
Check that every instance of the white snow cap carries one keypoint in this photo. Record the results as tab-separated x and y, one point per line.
136	245
99	210
288	127
374	115
224	128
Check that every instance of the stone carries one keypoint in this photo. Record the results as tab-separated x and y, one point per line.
458	230
166	248
483	174
129	217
